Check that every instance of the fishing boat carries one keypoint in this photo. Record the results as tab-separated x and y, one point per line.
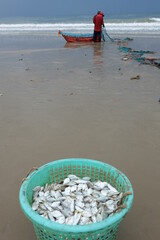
74	37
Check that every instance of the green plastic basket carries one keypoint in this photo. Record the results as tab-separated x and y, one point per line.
56	171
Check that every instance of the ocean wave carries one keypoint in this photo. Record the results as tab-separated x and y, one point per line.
155	19
145	27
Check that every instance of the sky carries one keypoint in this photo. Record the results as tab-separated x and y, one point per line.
60	8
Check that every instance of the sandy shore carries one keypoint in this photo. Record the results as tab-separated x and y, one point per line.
59	101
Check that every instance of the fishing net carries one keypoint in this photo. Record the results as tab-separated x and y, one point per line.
138	55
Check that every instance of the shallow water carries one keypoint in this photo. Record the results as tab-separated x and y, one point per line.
66	100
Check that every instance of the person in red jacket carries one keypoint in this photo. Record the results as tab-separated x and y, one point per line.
98	23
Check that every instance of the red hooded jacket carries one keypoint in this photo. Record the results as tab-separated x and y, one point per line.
98	22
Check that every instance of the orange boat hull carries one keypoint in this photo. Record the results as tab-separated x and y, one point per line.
77	37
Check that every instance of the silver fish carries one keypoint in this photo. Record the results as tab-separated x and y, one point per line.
56	194
86	178
99	218
50	199
102	199
46	194
101	185
84	220
79	197
55	204
79	204
61	220
110	205
87	213
40	212
93	204
88	199
76	218
94	219
66	212
69	220
41	194
57	214
94	210
71	183
89	191
79	209
73	177
46	188
73	220
42	206
76	201
35	195
112	188
67	191
48	207
35	206
37	189
73	188
82	186
45	215
69	203
66	181
104	193
51	217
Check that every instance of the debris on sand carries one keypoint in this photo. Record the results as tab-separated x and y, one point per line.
135	78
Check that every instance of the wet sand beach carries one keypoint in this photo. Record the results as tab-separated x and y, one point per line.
61	100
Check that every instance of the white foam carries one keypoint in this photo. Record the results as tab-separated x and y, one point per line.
155	19
118	28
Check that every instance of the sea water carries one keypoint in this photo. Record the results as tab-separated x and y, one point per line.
115	24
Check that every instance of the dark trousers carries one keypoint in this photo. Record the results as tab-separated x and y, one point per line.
97	36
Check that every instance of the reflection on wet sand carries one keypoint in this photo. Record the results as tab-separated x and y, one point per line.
98	53
78	45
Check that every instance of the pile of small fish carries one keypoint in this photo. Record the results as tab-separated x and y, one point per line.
76	201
